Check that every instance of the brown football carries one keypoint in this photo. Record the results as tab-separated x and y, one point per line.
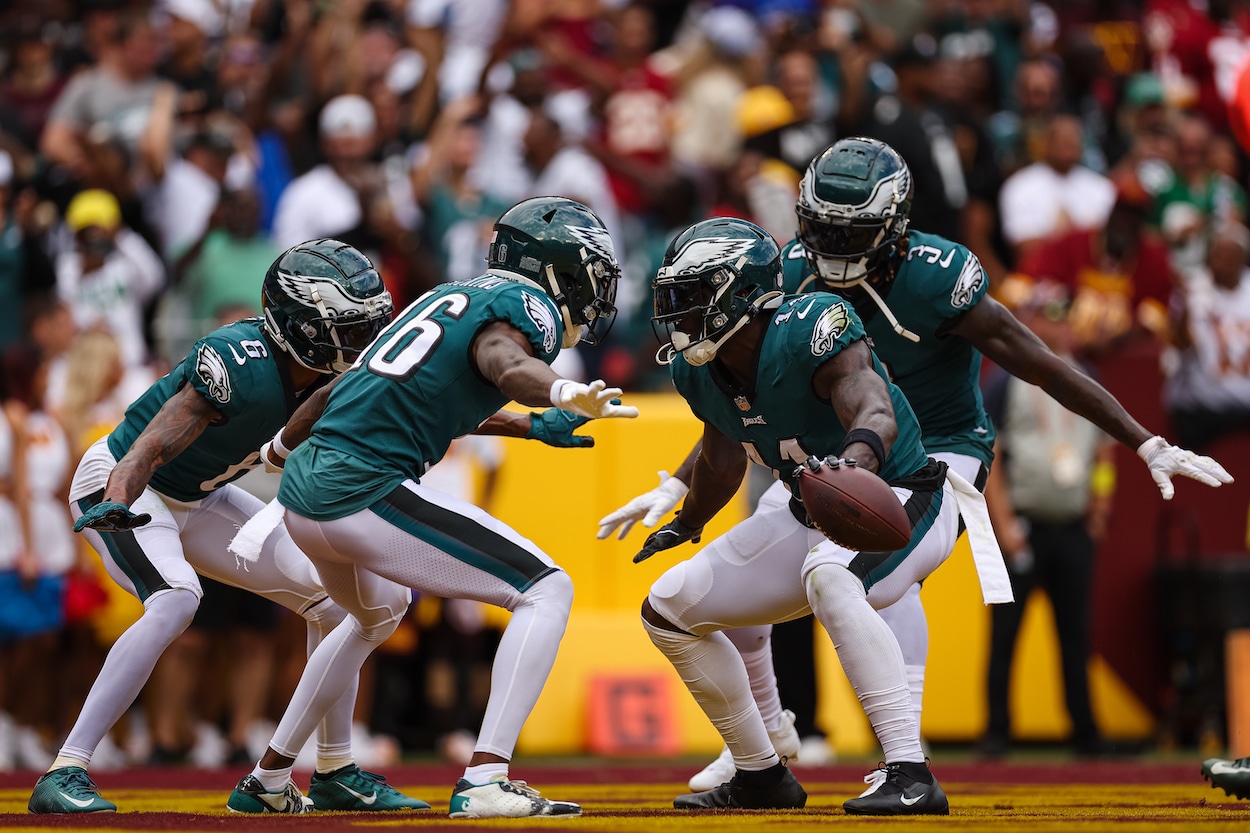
855	508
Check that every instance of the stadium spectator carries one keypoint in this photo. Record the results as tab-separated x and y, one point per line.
1055	195
1049	496
1119	274
1196	198
1208	394
32	81
24	266
112	100
110	274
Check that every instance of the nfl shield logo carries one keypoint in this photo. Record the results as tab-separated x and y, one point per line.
742	403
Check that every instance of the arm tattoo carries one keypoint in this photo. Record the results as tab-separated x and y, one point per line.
176	425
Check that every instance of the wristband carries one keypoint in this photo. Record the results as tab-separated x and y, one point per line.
277	446
556	386
869	438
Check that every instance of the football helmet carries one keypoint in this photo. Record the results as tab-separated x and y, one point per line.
324	303
715	276
853	205
562	247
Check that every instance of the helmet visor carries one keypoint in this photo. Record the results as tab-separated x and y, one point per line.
684	303
837	240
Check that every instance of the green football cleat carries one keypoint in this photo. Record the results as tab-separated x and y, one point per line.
250	796
68	789
1233	777
352	789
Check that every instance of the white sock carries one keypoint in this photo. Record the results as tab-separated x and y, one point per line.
915	686
127	668
712	669
871	658
756	646
526	652
334	732
482	773
329	761
273	780
63	760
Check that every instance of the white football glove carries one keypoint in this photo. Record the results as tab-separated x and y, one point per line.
648	508
1166	460
593	400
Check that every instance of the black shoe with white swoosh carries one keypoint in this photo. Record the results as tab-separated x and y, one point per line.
1233	777
908	789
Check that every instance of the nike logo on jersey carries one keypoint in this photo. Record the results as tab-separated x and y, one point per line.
806	309
365	799
910	801
946	261
1226	768
237	358
77	802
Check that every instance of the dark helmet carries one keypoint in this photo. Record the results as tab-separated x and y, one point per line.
715	276
853	205
563	247
324	302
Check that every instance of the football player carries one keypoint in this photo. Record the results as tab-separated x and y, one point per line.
786	381
156	501
923	302
353	500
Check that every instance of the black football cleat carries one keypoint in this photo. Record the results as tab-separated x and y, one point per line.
787	794
908	789
1233	777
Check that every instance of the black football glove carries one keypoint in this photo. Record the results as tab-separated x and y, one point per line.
110	516
666	537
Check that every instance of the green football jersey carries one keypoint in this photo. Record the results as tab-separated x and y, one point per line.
937	281
777	418
412	392
243	374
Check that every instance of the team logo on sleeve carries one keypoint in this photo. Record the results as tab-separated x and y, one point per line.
829	328
540	313
211	368
971	278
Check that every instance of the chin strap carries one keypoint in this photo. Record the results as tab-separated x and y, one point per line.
702	352
898	328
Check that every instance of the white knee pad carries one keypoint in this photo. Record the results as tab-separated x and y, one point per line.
829	587
173	609
552	594
377	623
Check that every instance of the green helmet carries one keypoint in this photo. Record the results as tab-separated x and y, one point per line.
853	205
564	248
323	303
716	275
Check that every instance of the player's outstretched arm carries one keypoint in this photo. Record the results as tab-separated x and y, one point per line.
182	418
993	330
650	506
554	426
718	471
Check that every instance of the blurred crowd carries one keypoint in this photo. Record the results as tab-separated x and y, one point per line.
157	155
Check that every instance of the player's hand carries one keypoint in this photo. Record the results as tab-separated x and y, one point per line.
110	516
595	400
666	537
1166	461
648	508
555	427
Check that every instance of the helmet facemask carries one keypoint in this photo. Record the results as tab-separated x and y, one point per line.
586	296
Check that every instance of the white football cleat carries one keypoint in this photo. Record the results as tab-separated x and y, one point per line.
502	798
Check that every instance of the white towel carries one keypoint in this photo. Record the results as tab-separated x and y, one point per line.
988	558
248	541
